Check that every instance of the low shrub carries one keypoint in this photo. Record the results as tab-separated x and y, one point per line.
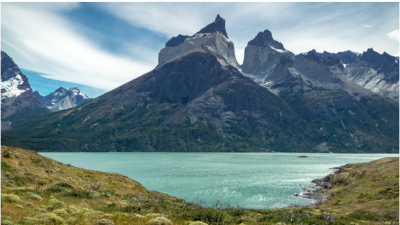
60	212
55	204
81	194
30	220
36	197
362	215
198	223
154	215
10	198
50	218
159	221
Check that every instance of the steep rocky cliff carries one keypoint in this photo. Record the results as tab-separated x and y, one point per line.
211	39
261	55
17	99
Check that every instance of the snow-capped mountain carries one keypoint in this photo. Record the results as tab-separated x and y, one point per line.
62	98
17	100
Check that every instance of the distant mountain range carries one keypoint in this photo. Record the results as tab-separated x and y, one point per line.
62	99
199	99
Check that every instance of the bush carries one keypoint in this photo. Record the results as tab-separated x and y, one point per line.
7	155
362	215
81	194
30	220
55	204
208	215
10	198
36	197
154	215
159	221
7	222
5	167
60	212
104	222
198	223
56	187
50	218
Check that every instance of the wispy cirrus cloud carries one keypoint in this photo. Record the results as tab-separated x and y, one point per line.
394	35
45	42
299	26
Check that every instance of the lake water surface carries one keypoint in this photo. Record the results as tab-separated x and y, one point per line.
252	180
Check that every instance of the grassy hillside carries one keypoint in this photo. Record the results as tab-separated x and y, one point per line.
360	186
39	190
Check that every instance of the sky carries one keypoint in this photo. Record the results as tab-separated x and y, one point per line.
100	46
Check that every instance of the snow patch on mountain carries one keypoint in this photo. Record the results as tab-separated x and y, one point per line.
9	88
62	99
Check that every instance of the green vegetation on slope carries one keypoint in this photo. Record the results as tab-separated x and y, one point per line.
39	190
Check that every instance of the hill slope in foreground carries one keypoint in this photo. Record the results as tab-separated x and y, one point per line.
39	190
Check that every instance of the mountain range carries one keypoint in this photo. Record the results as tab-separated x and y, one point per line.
17	99
62	98
198	98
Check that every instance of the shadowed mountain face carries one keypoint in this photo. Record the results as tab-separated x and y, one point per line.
62	99
17	99
196	99
217	25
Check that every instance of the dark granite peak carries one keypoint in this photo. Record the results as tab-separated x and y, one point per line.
61	89
217	25
345	57
286	60
382	63
175	41
7	63
328	61
264	39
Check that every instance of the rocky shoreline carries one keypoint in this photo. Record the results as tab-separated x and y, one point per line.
317	193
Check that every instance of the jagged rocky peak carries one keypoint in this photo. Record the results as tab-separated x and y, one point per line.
17	100
217	25
62	98
211	39
328	61
261	55
175	41
346	57
264	39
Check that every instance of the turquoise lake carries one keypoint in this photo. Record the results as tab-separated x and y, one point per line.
252	180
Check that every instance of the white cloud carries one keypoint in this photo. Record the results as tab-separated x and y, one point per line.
394	35
333	26
40	40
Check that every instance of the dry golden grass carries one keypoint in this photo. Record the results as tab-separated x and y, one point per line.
372	186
